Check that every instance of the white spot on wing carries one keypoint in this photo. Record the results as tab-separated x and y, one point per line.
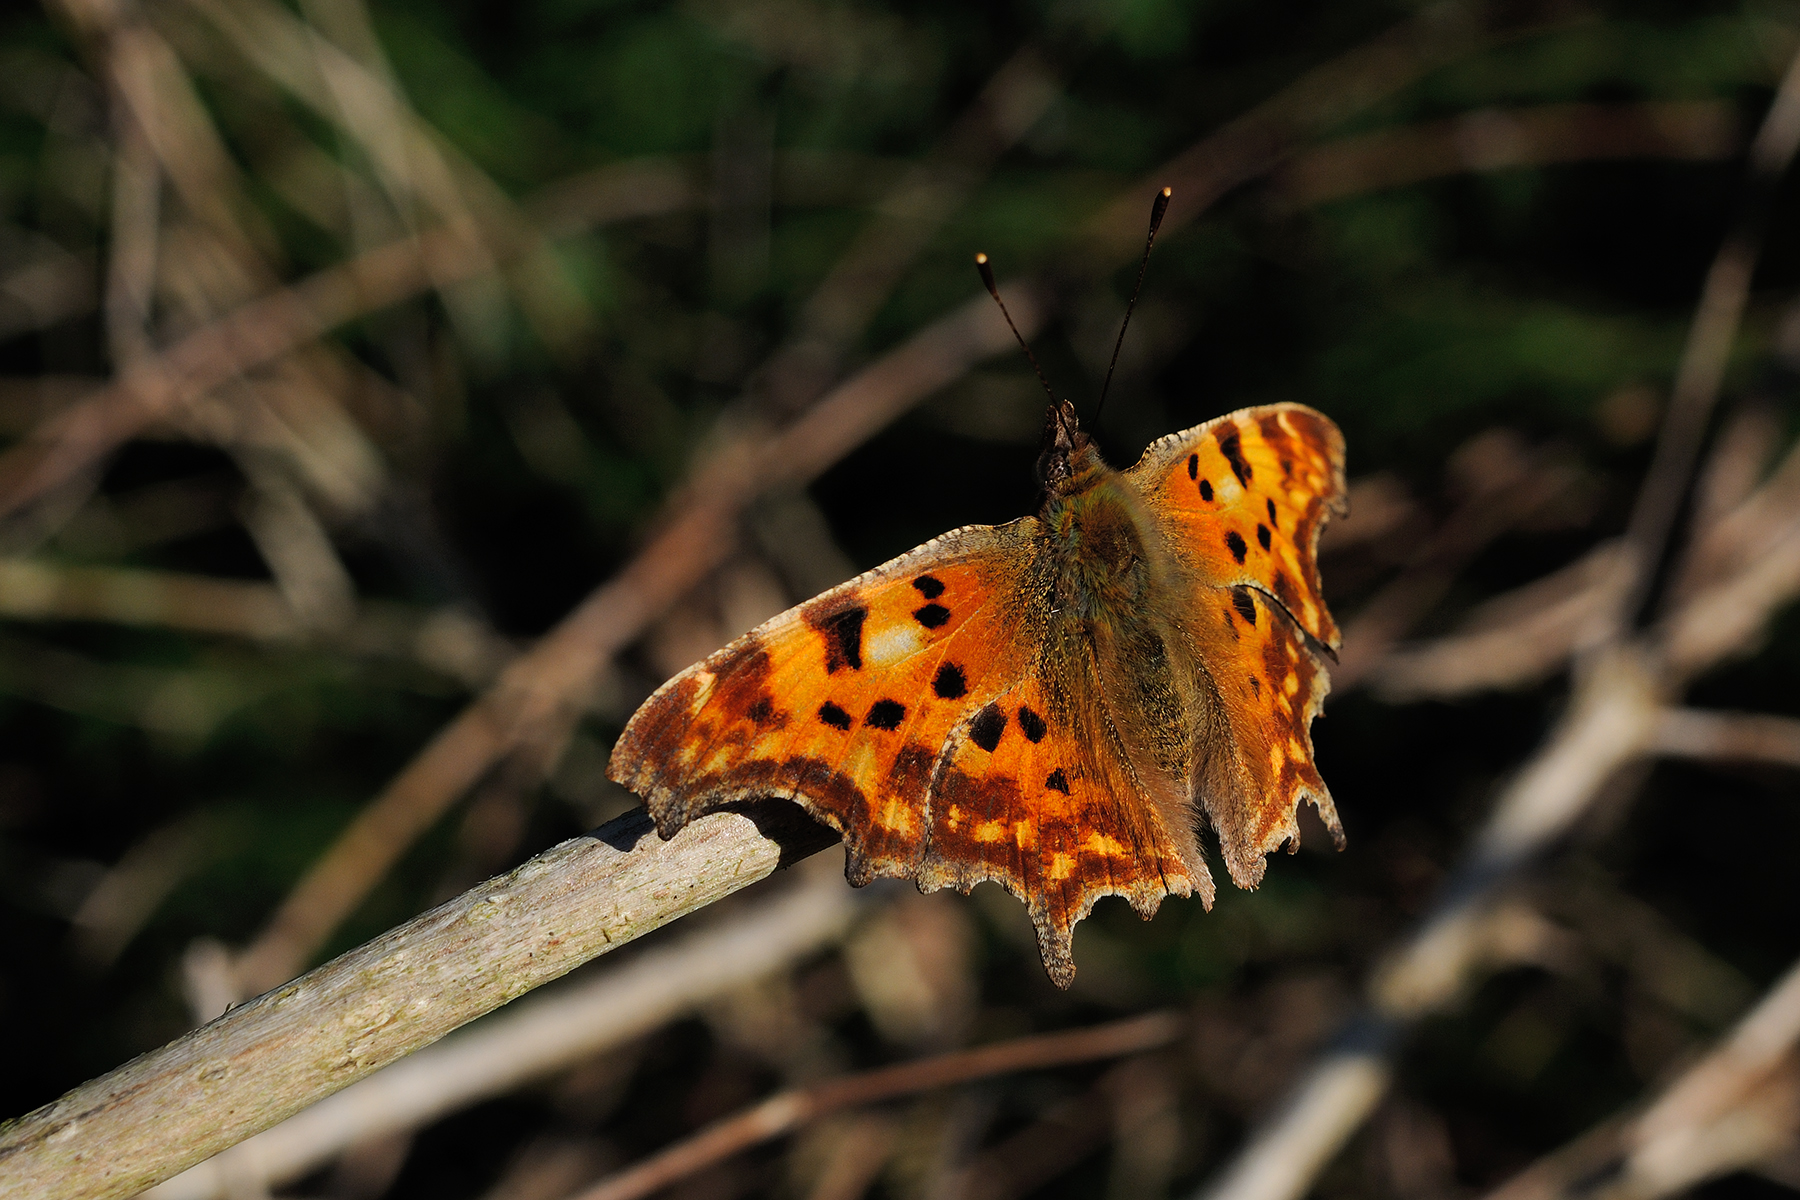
891	644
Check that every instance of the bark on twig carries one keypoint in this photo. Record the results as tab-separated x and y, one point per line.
535	1037
266	1060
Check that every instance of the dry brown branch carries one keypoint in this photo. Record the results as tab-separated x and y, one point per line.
1613	715
1707	353
536	691
1728	617
254	335
1728	737
1514	640
537	1036
784	1112
447	641
1610	720
1507	485
1736	1108
266	1060
1494	139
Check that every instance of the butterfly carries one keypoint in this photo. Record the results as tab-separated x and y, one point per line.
1054	704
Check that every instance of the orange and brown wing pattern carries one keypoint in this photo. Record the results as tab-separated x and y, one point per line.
911	710
1241	501
1245	496
845	703
1029	794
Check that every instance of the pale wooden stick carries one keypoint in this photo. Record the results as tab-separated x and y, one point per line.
268	1059
536	1036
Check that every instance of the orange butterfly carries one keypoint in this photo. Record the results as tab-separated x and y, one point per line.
1050	703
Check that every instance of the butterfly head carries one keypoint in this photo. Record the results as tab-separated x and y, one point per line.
1067	459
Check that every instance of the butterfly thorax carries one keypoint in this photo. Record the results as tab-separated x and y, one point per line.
1103	547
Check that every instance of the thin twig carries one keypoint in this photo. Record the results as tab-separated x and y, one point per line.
786	1111
1496	139
268	1059
446	641
1701	374
1728	737
1515	640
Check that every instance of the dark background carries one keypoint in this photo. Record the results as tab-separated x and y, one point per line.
1547	301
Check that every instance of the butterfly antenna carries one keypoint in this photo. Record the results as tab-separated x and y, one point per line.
987	277
1157	210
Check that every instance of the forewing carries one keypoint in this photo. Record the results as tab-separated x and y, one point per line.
844	703
1241	501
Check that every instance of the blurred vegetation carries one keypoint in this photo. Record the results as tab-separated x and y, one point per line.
480	455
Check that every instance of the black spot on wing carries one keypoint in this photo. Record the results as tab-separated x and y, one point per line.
843	639
1246	607
1255	686
930	587
989	724
931	616
1262	535
763	712
886	714
1058	781
1233	451
1206	490
1272	519
1193	466
949	683
1235	543
834	716
1032	725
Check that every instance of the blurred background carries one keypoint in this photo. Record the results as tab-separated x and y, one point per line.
349	348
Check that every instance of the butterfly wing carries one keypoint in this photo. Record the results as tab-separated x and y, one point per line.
913	710
1034	791
1240	502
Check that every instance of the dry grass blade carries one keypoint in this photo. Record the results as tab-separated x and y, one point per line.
266	1060
783	1113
